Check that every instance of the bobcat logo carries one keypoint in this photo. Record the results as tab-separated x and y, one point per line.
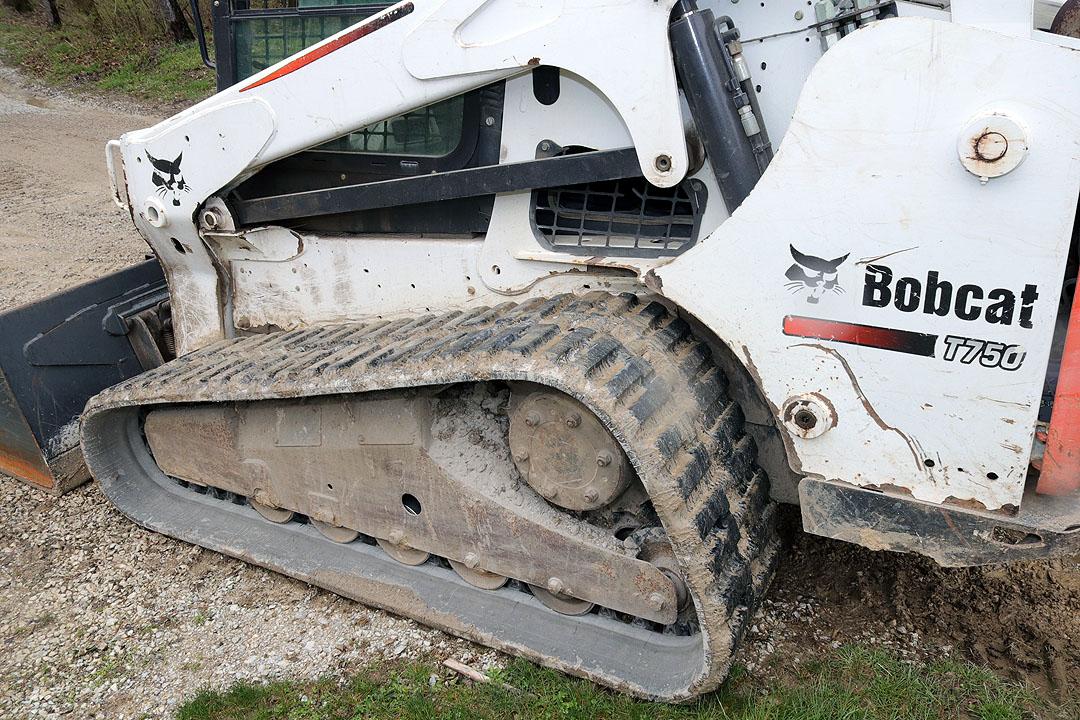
167	179
815	275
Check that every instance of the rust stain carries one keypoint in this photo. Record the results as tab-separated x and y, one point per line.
26	470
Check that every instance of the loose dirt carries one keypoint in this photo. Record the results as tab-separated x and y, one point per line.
99	618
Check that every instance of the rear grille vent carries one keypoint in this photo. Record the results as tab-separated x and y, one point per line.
626	217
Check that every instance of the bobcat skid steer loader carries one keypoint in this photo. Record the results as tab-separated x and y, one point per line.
504	316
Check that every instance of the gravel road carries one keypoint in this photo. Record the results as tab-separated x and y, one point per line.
101	619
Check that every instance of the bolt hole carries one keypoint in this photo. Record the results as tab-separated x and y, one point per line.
411	504
764	65
179	246
329	486
928	462
496	269
991	476
758	88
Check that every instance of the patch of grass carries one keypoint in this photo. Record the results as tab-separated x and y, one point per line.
853	683
77	55
173	73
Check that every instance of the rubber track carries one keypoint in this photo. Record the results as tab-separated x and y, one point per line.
627	358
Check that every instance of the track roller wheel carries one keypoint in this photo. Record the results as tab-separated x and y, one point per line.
476	576
271	513
403	553
335	532
561	603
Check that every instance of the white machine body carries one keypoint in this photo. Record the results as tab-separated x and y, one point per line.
922	195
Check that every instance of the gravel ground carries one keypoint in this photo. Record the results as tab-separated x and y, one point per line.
101	619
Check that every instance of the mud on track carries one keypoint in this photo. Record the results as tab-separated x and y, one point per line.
100	618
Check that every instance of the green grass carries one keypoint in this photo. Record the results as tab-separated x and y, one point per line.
78	56
853	684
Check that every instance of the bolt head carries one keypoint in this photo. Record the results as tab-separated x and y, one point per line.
806	419
522	456
573	420
549	491
603	458
471	561
591	495
555	586
396	537
657	601
532	419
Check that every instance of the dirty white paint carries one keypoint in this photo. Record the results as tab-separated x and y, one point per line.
867	168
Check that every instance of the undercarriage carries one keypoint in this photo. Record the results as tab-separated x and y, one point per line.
565	479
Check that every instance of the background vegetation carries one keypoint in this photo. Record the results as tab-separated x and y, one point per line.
144	48
852	684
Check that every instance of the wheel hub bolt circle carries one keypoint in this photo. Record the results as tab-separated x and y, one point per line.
555	586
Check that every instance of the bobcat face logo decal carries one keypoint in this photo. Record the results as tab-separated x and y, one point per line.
168	182
816	276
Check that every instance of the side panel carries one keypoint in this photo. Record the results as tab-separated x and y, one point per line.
906	304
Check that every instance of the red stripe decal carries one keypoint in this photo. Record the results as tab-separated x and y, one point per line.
864	335
337	43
